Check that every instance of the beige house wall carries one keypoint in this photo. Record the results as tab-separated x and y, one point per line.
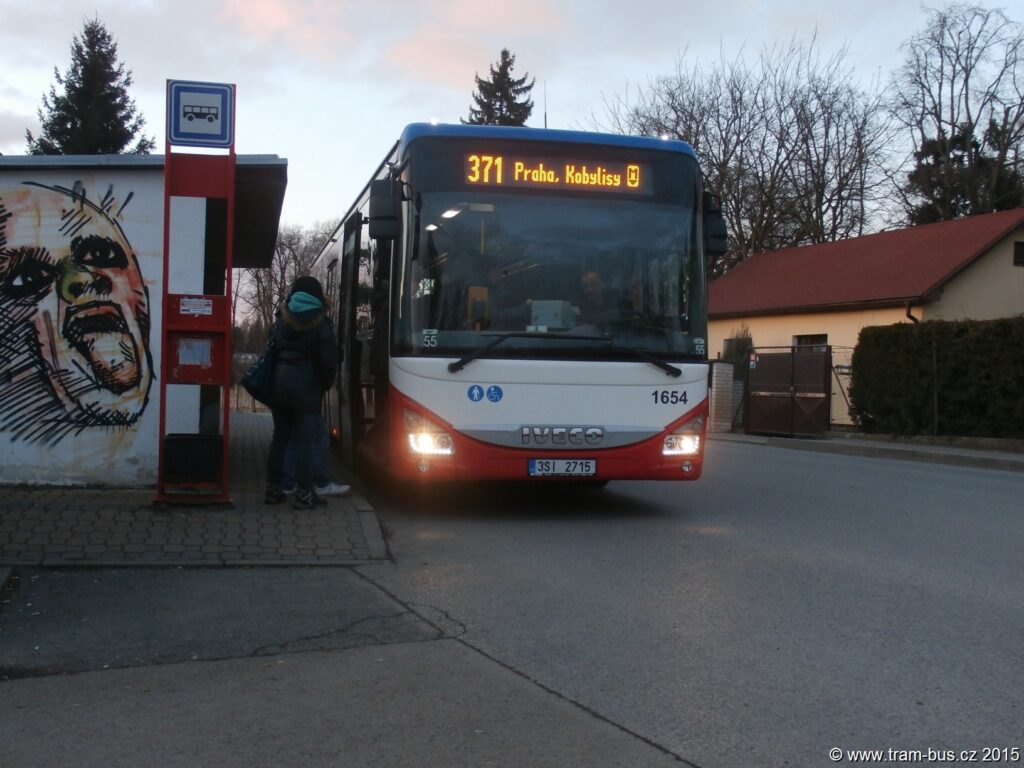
990	288
779	330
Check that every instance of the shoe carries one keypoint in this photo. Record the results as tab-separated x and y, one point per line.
307	500
289	490
274	495
332	489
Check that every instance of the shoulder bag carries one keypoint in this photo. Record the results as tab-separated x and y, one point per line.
257	380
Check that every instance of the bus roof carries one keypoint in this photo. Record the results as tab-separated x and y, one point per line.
417	130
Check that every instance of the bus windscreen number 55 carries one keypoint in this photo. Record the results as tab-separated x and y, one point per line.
484	169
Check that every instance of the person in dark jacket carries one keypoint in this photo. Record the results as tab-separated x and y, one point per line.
305	361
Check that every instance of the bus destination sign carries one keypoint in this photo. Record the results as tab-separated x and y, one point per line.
556	173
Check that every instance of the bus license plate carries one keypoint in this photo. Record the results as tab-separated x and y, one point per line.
563	467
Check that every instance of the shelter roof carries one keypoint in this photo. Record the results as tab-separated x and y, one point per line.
260	182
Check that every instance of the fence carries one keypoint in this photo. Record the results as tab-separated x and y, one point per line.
728	394
243	401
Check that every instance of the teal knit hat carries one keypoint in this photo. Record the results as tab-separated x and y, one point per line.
308	284
303	302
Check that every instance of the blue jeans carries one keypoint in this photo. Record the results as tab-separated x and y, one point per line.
321	445
297	430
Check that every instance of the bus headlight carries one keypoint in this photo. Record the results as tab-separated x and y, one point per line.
681	445
685	441
431	444
426	438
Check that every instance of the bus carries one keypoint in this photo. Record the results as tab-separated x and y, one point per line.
524	304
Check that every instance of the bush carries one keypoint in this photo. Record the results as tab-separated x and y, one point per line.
975	367
737	352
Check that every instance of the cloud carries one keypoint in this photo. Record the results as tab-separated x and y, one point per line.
318	28
462	37
9	92
12	132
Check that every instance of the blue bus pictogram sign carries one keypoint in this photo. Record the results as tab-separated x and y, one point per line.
200	114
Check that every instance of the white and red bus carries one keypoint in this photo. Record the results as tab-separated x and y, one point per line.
524	304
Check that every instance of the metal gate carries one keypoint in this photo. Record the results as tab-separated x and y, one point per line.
789	391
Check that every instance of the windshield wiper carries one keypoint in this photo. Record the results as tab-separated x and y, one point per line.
476	354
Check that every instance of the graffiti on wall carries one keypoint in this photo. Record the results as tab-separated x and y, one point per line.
74	315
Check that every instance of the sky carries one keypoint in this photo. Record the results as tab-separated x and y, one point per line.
330	84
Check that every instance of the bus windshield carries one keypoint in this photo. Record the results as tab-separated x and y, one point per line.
565	268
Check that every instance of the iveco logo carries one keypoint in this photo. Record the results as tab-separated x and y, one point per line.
562	435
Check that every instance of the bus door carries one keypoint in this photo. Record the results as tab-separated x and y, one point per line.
350	398
332	290
370	374
375	346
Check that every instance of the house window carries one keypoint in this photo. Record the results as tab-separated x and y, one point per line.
811	342
1018	254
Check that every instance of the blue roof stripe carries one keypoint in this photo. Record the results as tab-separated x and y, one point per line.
418	130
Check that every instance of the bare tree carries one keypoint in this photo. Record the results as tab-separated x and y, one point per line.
260	291
838	151
959	98
792	146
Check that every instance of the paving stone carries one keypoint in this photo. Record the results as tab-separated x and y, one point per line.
69	525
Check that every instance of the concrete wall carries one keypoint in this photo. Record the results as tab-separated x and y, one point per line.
990	288
721	406
81	274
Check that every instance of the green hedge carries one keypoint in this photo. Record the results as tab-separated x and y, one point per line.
976	368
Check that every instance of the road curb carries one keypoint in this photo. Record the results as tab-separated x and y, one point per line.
947	455
903	453
371	527
738	437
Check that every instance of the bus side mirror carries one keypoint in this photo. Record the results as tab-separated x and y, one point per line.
716	236
385	210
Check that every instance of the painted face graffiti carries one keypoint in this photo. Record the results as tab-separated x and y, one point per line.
74	316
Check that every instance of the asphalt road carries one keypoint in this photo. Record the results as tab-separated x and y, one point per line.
786	604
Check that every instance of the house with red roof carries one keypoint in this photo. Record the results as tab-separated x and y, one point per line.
818	295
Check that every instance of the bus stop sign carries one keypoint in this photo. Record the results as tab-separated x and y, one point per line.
200	114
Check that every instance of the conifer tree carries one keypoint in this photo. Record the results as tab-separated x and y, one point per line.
93	114
503	99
